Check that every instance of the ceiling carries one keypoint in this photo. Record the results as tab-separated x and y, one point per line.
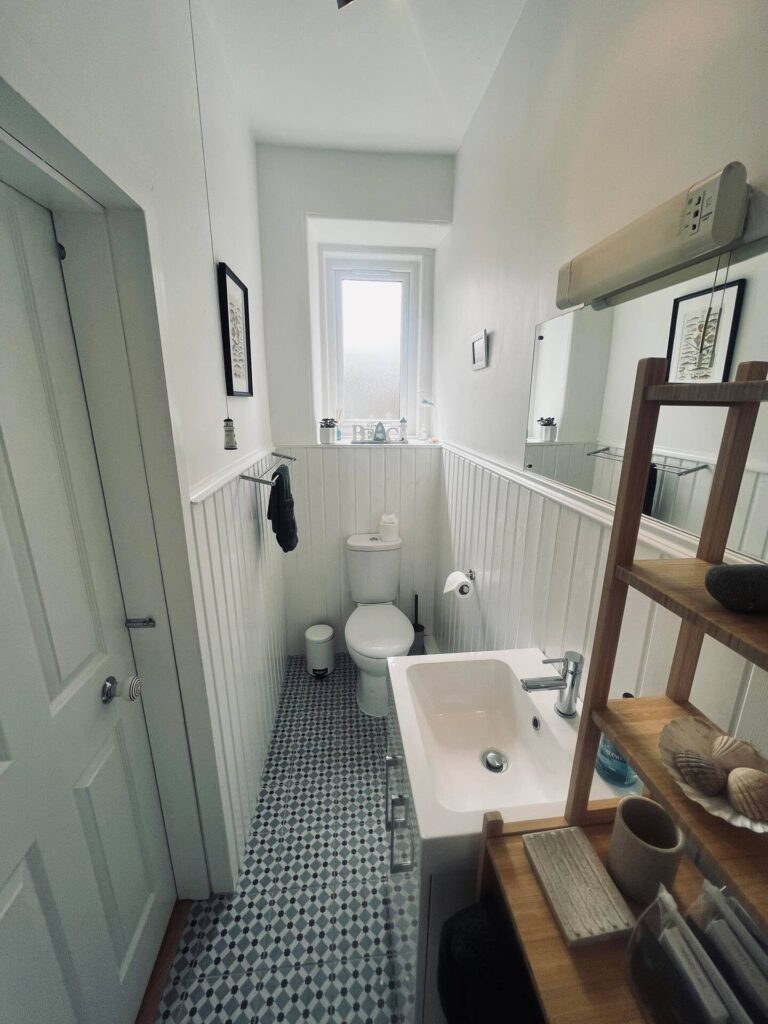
397	75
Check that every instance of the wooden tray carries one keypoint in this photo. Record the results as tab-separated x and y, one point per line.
584	900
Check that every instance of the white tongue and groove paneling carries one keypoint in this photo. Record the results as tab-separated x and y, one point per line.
242	631
539	564
568	462
343	489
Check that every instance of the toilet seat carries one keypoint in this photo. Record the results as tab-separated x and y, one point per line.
379	631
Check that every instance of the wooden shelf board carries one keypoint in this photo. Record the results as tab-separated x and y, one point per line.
678	584
585	984
729	393
730	855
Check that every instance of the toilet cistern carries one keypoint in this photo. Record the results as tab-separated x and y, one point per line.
567	682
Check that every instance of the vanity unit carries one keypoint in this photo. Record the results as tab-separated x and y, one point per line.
465	733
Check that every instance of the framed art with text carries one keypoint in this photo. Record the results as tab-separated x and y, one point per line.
235	332
702	333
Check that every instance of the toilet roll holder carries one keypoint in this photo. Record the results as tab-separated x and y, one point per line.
462	589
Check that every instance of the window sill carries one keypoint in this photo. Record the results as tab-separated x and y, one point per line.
346	442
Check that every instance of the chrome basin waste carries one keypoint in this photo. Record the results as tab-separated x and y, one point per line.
494	761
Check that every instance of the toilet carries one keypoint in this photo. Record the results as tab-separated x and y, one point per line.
376	629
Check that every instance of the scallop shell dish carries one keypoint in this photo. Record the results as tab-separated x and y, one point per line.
726	776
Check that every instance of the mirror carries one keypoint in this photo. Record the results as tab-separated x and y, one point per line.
581	389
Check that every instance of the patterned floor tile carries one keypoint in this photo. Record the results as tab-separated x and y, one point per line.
218	999
302	928
239	937
345	992
307	934
361	920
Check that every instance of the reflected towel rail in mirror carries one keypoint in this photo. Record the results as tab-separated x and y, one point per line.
606	453
263	479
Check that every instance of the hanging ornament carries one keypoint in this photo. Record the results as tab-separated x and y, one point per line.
230	441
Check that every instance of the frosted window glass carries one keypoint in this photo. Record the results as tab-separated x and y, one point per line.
371	324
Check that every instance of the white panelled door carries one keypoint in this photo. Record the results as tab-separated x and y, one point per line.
85	877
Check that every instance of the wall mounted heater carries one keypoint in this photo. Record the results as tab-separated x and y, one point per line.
713	216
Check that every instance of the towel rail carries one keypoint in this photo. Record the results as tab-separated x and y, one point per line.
606	453
263	479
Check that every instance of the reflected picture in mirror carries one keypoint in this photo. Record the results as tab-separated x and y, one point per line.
703	333
583	376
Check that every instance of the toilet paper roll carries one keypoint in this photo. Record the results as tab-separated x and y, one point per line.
389	527
459	583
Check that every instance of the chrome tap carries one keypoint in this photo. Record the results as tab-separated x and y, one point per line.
567	682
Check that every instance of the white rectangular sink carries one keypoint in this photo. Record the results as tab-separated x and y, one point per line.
451	709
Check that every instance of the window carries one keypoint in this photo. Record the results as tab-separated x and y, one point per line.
371	347
373	337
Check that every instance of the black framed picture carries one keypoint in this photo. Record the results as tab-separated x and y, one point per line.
702	333
235	331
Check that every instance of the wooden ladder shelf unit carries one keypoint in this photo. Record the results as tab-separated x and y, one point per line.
735	856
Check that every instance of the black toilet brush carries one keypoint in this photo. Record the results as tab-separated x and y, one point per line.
418	630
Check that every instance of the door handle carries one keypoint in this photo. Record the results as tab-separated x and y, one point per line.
110	689
398	824
390	761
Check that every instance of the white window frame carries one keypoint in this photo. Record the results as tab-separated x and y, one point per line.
407	269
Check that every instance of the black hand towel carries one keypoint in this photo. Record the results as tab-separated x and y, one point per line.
280	510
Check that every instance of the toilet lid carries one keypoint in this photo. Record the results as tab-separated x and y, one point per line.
379	631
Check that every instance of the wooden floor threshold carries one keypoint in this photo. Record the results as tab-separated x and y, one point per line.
158	979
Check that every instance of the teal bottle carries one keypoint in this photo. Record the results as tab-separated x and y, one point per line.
610	765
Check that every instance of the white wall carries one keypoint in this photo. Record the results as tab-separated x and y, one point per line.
117	81
597	112
298	183
570	363
587	370
539	565
549	378
340	490
230	161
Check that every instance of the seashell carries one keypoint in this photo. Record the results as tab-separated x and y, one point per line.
732	753
748	793
701	772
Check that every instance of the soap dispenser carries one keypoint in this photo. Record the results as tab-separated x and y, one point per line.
610	765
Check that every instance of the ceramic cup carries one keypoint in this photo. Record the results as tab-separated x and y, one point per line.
646	847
